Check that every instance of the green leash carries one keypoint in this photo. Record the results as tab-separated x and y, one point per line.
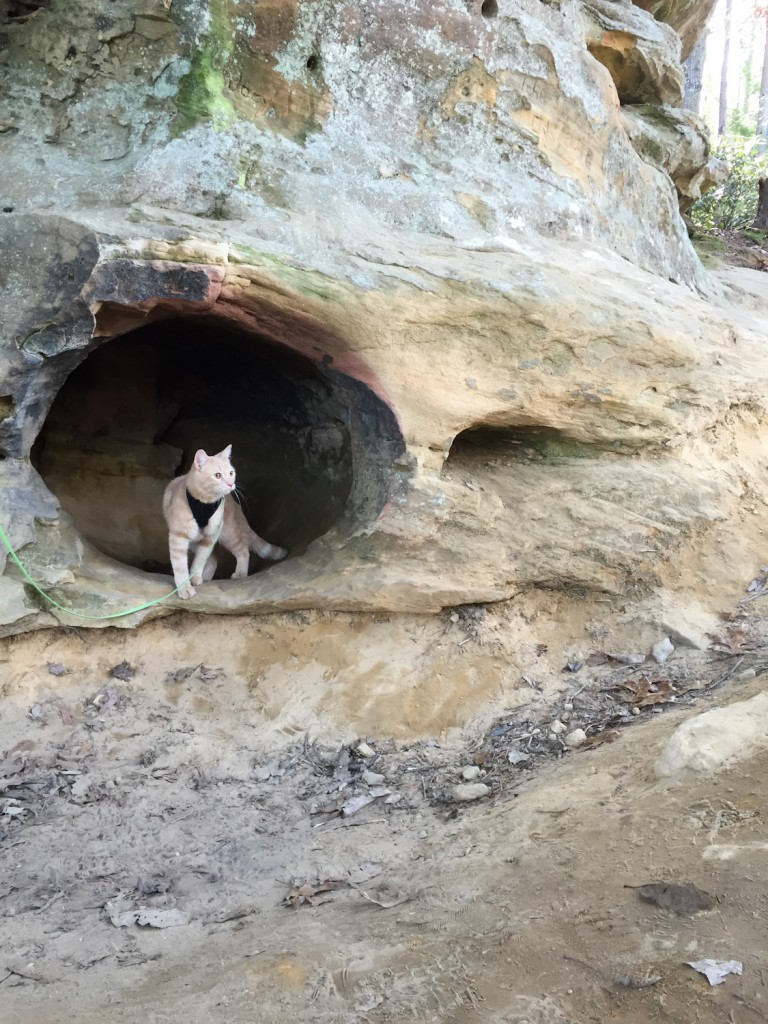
81	615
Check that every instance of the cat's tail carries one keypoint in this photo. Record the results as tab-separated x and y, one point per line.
264	549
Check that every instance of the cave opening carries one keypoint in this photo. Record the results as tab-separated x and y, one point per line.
313	448
510	444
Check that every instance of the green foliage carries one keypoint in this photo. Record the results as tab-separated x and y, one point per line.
740	123
733	204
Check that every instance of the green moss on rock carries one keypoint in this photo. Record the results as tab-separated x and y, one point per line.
202	92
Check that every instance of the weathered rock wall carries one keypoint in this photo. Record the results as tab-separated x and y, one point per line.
327	124
446	240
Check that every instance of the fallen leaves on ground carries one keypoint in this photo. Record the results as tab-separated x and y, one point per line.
602	737
124	672
736	638
644	692
203	672
684	900
308	893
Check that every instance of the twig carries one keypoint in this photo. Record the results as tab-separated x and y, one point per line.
354	824
379	903
726	675
50	902
181	817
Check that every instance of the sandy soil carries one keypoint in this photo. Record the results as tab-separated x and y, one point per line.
204	789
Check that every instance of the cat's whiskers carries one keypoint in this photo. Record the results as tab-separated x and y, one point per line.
241	498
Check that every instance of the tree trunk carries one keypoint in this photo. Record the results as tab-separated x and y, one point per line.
694	70
761	218
762	109
722	120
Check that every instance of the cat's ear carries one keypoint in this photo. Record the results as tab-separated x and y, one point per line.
227	452
200	459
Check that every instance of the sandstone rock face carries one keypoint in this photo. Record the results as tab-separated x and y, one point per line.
687	17
419	265
642	55
326	124
675	141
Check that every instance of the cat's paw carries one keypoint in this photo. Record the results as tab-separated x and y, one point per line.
238	575
186	592
196	580
276	554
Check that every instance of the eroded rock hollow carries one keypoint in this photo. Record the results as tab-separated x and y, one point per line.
423	266
131	416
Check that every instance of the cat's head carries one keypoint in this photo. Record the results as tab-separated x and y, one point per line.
214	475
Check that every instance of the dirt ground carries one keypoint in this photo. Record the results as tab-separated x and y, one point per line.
204	776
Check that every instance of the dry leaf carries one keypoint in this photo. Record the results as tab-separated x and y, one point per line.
604	737
123	671
683	900
308	893
181	674
598	658
644	692
385	901
737	638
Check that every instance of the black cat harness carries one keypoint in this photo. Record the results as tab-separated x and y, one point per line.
202	510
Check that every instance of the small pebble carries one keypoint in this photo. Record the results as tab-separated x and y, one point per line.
557	727
470	791
470	772
454	617
576	738
748	673
568	706
363	750
372	778
423	834
635	711
662	650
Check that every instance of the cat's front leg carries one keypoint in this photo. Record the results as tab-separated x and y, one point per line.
198	565
179	549
202	554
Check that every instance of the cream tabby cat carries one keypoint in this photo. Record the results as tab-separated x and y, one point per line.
195	507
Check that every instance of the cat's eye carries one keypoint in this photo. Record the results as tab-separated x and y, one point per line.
218	476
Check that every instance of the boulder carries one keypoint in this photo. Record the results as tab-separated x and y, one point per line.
425	270
716	738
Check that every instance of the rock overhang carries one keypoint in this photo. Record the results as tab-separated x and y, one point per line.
603	393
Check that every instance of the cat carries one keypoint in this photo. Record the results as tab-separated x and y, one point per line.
200	511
